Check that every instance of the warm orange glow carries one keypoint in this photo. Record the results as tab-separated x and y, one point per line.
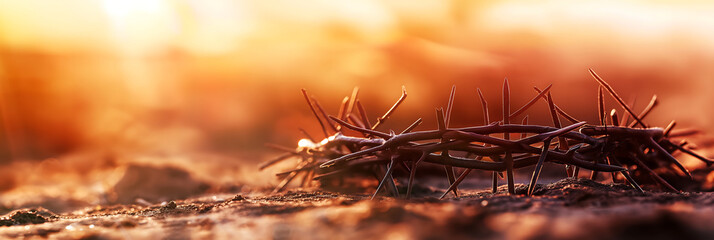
137	80
305	143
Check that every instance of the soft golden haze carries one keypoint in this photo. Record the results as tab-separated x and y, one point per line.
224	75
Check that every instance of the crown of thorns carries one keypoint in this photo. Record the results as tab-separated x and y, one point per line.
612	148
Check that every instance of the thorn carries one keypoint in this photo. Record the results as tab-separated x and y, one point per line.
363	115
669	128
412	173
654	145
324	114
389	112
276	160
450	105
448	168
601	105
506	117
539	165
653	103
411	127
524	122
312	108
613	117
353	100
560	111
387	177
632	181
531	102
617	97
342	113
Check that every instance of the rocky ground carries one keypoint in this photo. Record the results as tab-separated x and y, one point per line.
566	209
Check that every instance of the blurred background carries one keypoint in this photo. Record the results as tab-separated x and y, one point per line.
88	85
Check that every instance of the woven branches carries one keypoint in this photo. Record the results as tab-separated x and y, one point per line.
617	148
